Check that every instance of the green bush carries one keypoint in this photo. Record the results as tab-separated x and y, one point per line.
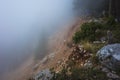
94	31
87	46
88	32
118	71
95	60
97	47
90	47
78	36
87	74
116	33
80	74
110	21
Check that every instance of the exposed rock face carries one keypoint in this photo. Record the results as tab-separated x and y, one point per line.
110	56
43	75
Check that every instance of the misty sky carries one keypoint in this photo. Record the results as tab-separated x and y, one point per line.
23	21
18	17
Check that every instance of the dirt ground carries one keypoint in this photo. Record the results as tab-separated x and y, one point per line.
59	46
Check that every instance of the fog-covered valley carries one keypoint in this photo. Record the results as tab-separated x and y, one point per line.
24	24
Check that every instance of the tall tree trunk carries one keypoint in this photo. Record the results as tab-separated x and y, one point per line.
110	7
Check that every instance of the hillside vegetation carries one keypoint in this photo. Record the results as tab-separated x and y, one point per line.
91	36
92	31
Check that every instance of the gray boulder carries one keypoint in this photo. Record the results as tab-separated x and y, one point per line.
43	75
109	56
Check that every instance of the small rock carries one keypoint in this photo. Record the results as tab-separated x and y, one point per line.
105	70
59	62
52	55
113	72
36	66
88	64
96	42
44	60
113	76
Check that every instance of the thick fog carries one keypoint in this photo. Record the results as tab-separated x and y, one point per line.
24	24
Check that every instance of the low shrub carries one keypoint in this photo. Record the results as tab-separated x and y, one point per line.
62	75
87	46
91	47
88	74
95	60
82	73
95	31
88	31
